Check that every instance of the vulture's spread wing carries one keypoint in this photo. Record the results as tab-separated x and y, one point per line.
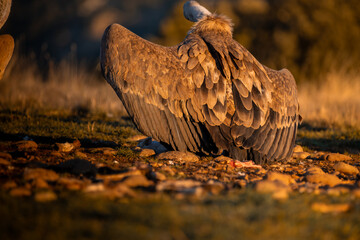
208	94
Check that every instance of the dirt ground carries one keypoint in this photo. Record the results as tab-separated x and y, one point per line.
85	176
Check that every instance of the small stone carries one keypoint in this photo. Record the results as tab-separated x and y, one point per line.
119	176
40	183
34	173
267	186
9	185
301	155
26	146
147	152
332	157
337	191
65	147
213	187
243	164
4	162
20	192
47	196
137	138
324	179
137	181
56	154
80	154
330	208
298	148
284	178
314	170
346	168
5	155
280	195
178	185
72	184
356	193
178	156
148	143
96	187
76	143
168	170
109	151
157	176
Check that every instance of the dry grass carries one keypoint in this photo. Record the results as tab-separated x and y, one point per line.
68	85
332	102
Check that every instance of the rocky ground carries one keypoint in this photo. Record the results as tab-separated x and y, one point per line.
40	165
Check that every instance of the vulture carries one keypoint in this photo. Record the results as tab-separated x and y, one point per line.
207	95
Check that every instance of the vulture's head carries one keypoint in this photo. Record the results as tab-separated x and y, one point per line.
205	20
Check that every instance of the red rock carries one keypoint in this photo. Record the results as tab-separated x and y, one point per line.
65	147
147	152
284	178
324	179
337	157
137	181
327	208
35	173
300	155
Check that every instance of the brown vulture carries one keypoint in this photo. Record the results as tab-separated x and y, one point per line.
207	95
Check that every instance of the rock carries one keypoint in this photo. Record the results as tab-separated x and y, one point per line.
178	156
330	208
26	146
9	185
4	162
44	174
298	148
147	152
39	183
79	154
283	178
5	155
346	168
324	179
356	193
117	176
300	155
243	164
65	147
157	176
137	138
332	157
47	196
105	150
168	170
96	187
78	167
148	143
314	170
20	192
337	191
76	143
213	187
71	183
186	185
278	189
56	154
137	181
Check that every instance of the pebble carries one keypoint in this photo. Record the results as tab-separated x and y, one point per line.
346	168
137	181
314	170
20	192
40	183
157	176
148	143
137	138
5	155
71	183
47	196
95	187
301	155
65	147
283	178
298	148
330	208
332	157
147	152
118	176
277	189
9	185
324	179
178	185
213	187
80	154
4	162
26	146
44	174
337	191
178	156
105	150
356	193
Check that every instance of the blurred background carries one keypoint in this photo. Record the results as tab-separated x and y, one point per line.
56	59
